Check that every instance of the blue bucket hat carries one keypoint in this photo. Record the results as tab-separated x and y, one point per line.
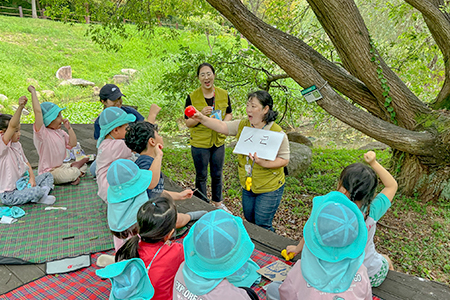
50	112
110	118
129	280
335	238
246	276
127	192
217	245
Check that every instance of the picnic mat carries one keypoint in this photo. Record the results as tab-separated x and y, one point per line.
44	235
84	284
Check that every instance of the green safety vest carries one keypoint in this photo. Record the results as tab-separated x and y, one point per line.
263	179
202	136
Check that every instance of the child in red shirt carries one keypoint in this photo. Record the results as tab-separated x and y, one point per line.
156	222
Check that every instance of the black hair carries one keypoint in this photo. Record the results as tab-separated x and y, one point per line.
266	100
205	64
138	134
4	121
132	231
155	218
360	181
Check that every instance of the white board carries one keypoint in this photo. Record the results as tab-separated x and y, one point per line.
265	143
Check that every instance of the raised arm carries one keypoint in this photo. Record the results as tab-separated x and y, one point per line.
156	166
38	118
389	182
211	123
72	135
14	123
152	113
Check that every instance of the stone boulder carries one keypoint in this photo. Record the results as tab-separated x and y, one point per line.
119	79
77	82
299	138
96	91
130	72
48	94
64	73
300	159
25	112
374	146
33	82
3	97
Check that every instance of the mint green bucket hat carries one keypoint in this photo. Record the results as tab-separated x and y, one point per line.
335	238
129	280
127	192
50	112
111	118
217	245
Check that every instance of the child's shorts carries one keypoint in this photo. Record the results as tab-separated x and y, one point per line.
377	279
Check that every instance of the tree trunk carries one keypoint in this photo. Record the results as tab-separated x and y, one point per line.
33	9
422	134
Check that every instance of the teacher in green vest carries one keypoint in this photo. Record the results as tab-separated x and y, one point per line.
207	146
260	198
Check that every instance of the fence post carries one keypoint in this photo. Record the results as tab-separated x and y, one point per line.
87	17
43	16
33	9
176	25
20	12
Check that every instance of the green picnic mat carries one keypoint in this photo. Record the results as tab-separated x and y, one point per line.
44	235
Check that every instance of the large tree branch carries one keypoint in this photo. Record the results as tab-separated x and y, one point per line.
439	24
345	26
418	143
337	77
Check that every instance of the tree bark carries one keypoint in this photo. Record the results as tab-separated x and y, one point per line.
439	24
418	143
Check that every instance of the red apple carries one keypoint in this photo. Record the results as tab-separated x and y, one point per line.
189	111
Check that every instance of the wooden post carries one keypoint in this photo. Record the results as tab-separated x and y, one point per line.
20	12
87	17
33	9
176	25
43	14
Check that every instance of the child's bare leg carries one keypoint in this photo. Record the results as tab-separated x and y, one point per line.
80	163
391	265
182	220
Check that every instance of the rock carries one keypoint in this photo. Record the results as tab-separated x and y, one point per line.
300	159
118	79
96	91
64	73
3	97
374	146
299	138
33	82
77	82
1	107
48	94
130	72
25	112
232	144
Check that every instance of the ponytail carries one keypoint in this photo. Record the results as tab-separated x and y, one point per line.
129	249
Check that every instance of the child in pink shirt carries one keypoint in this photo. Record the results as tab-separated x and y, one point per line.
110	144
18	185
331	267
51	142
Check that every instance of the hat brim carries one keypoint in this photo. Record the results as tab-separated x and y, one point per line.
123	215
138	185
146	289
51	115
122	120
225	266
334	254
249	276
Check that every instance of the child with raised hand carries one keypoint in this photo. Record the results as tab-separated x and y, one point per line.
143	138
110	144
332	258
216	248
358	182
111	96
18	185
51	142
156	224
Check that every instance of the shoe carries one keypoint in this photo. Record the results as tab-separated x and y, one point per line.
105	260
222	206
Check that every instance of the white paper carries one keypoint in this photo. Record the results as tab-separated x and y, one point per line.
7	220
265	143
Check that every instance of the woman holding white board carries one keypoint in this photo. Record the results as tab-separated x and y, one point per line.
262	180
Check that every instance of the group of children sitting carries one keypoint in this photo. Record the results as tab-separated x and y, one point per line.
338	256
